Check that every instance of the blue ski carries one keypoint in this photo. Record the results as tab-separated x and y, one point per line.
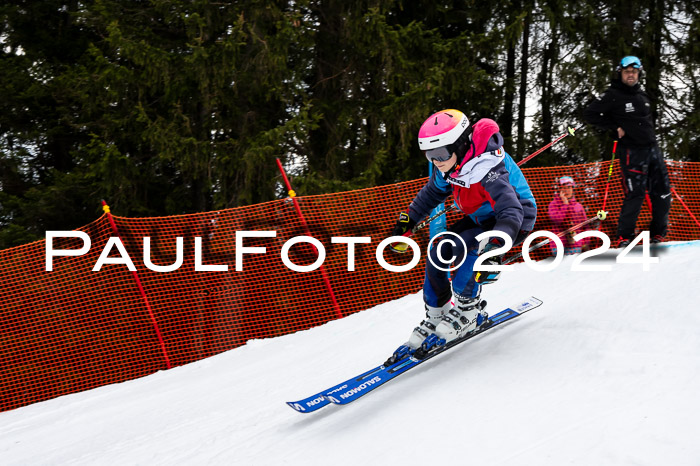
354	388
318	401
374	379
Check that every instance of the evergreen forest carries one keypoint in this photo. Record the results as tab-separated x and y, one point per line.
168	107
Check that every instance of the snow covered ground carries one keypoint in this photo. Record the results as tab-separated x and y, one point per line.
606	372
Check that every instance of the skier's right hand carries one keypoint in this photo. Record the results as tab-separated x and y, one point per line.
403	225
486	245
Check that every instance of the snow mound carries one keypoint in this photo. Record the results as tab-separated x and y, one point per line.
604	373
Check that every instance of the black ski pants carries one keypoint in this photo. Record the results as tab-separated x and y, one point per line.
644	170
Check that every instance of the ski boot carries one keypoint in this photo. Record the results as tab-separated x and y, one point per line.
464	318
433	316
436	341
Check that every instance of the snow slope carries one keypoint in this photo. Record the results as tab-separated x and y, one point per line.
606	372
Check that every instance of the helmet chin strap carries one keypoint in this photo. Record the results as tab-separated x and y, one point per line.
448	172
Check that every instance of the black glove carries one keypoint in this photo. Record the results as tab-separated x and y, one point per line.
404	224
486	278
522	235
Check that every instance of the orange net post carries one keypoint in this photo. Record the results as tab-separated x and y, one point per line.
680	199
72	328
324	275
135	274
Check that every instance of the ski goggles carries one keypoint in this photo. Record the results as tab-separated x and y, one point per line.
439	154
632	61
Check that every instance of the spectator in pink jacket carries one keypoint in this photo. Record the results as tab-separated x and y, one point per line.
565	212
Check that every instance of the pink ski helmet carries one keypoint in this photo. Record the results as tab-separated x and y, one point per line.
444	133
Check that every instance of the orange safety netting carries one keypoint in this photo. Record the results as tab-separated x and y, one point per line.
73	329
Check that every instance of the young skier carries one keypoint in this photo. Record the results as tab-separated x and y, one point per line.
491	192
565	212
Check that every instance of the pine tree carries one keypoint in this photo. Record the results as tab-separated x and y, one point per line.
174	106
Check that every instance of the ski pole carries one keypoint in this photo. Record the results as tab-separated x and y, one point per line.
427	221
601	215
570	131
607	184
647	200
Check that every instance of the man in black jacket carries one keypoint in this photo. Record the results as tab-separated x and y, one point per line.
626	109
